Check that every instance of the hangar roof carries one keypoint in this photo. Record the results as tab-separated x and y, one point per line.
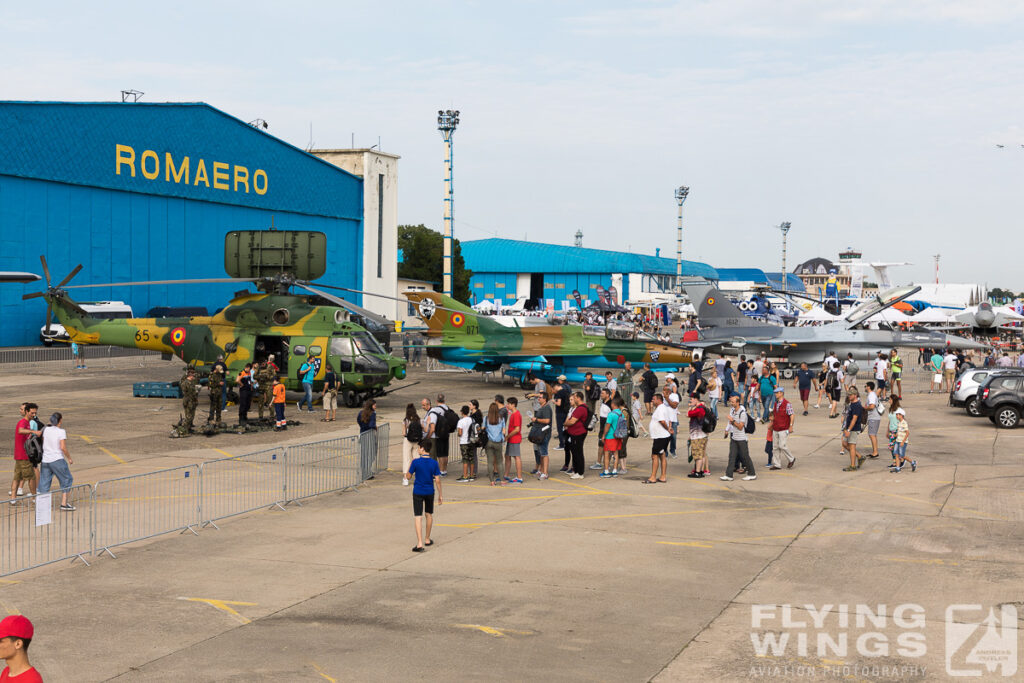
497	255
91	143
742	275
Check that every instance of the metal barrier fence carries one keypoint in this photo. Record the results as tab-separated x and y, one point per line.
32	539
27	358
116	512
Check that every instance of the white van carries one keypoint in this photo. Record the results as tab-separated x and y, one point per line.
102	310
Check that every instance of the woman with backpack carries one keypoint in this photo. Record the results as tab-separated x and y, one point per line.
494	427
412	431
616	427
367	421
834	389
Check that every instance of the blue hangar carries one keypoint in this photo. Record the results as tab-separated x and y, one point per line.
506	270
136	191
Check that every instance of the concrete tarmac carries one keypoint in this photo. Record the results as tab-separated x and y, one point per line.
599	579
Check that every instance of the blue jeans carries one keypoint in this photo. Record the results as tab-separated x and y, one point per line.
60	468
560	419
674	427
900	452
714	407
308	398
768	402
541	449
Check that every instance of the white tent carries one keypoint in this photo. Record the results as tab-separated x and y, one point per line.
484	305
817	314
933	315
1011	315
890	315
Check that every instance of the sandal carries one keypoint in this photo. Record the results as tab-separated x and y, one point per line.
850	469
429	543
649	481
323	419
662	481
417	549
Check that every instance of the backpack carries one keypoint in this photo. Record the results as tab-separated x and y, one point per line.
651	380
34	449
751	425
414	432
709	422
621	427
447	422
594	393
474	432
852	368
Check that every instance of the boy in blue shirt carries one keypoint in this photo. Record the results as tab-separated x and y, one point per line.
426	475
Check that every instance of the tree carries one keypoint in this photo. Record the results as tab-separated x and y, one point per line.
422	259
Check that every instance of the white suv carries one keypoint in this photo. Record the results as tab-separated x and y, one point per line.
965	389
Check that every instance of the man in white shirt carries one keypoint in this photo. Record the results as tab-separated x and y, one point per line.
467	449
739	450
881	374
759	365
661	434
831	359
672	401
611	385
874	418
948	371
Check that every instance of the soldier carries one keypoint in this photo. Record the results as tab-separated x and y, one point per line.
216	386
189	398
265	377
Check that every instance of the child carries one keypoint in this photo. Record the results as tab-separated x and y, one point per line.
637	410
278	390
426	474
467	446
902	441
894	405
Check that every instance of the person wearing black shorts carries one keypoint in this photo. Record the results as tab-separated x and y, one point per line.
426	476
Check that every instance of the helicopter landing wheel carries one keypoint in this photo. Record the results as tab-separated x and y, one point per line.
350	399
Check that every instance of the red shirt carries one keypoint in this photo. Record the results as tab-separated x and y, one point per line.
782	416
515	420
29	676
580	427
19	444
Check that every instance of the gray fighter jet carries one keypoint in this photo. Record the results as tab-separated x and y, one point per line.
726	330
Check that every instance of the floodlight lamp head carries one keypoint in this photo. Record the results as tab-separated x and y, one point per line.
682	193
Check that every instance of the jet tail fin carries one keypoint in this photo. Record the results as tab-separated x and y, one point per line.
444	315
715	310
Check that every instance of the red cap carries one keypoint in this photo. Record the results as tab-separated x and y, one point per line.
16	626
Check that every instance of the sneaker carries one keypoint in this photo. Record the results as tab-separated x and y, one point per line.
542	476
805	412
615	473
750	477
517	480
774	467
694	475
605	474
67	508
672	455
895	470
576	476
701	475
564	469
472	479
462	480
533	471
725	478
509	479
444	474
597	466
913	466
622	470
791	463
21	491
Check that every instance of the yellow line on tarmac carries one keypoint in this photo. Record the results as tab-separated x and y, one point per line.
9	609
321	672
224	452
496	632
9	581
690	544
475	525
88	440
225	606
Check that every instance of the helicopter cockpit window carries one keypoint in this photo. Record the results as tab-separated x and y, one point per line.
340	350
299	350
316	350
366	343
620	330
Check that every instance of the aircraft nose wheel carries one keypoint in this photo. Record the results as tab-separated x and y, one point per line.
350	399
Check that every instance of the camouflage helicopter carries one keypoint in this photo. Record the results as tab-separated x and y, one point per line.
254	325
465	339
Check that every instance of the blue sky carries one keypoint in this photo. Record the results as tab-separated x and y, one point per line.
871	124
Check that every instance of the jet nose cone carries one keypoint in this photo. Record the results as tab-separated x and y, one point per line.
985	317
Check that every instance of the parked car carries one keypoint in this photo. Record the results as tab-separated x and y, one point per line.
965	390
1001	398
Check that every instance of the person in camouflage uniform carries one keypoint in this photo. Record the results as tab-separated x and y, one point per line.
265	377
216	387
189	398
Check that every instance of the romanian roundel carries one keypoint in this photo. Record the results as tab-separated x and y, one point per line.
178	336
458	319
711	301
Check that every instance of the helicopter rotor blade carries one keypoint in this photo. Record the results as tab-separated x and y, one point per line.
46	269
33	295
18	277
347	305
70	275
380	296
166	282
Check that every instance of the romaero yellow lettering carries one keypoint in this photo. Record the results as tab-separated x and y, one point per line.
150	155
179	173
201	174
242	177
220	175
125	155
260	188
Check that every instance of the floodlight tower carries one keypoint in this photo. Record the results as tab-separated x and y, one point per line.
784	227
447	120
682	193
